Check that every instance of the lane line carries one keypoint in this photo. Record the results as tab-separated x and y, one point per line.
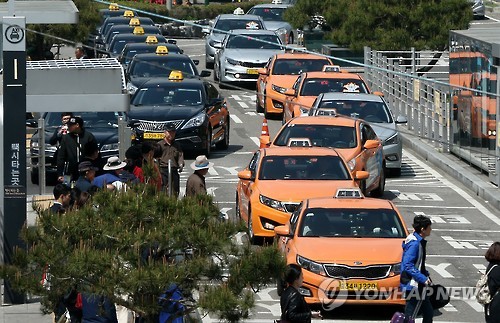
235	118
256	141
243	104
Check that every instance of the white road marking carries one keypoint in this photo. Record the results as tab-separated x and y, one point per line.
243	104
481	268
235	118
236	97
251	113
437	207
256	141
441	269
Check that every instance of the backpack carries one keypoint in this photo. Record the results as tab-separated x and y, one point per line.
483	295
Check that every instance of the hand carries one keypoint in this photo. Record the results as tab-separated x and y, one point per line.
316	315
428	282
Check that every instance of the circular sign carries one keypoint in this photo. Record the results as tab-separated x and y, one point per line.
14	34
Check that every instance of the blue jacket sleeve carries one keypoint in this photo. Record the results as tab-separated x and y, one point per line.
410	256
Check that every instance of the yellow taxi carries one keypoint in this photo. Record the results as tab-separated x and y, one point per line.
307	87
279	74
352	138
349	247
276	179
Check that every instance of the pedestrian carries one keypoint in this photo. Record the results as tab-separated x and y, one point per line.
80	53
294	308
87	174
492	310
92	154
62	198
171	150
70	152
414	275
111	180
60	131
97	309
196	182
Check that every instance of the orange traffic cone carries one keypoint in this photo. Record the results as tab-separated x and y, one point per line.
265	138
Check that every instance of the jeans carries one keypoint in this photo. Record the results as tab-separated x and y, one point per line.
412	299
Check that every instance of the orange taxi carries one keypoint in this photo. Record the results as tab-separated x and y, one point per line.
349	247
353	138
300	97
275	181
279	74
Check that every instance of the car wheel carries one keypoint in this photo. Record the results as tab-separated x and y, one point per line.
224	144
379	191
209	65
395	172
251	237
258	107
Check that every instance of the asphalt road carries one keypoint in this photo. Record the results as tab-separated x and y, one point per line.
463	225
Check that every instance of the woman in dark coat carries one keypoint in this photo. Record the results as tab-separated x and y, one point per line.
294	308
492	310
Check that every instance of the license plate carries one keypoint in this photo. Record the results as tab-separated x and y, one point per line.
153	135
252	71
357	286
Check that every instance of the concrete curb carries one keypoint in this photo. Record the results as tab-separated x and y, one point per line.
453	166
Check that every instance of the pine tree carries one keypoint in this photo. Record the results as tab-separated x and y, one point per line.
129	246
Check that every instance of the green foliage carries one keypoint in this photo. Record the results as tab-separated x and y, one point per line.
386	24
130	245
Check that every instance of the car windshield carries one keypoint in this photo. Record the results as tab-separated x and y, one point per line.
161	68
356	222
298	65
331	136
316	86
90	119
268	14
128	54
303	168
169	95
230	24
376	112
253	42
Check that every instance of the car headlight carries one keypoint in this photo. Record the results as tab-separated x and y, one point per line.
396	268
195	121
280	31
352	164
109	147
232	61
392	140
279	89
131	88
492	132
277	205
311	265
34	144
213	42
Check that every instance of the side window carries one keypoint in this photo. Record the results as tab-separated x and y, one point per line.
296	84
370	133
363	134
211	91
252	166
294	219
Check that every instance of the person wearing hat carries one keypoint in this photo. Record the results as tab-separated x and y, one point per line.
111	180
171	150
70	152
196	182
87	174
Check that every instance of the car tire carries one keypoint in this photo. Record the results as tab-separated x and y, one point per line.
258	107
251	237
209	65
224	144
395	172
379	191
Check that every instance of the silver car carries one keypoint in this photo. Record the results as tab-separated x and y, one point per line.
272	14
373	109
221	26
243	52
478	8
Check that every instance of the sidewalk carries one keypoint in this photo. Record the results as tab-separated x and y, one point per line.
23	313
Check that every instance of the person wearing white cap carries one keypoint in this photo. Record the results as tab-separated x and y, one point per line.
112	179
196	182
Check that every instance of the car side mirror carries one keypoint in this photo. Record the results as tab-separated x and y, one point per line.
263	71
196	61
31	123
216	101
361	175
290	92
401	119
378	93
371	144
283	230
205	73
245	174
205	31
217	45
133	123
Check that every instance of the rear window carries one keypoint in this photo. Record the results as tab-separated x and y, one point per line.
370	111
303	168
314	87
230	24
161	68
299	65
320	135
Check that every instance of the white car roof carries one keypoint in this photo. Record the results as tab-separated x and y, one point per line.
352	96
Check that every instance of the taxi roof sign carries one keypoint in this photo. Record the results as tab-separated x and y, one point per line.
134	22
299	142
176	76
138	30
128	13
353	193
113	6
331	68
161	50
330	112
277	2
238	11
150	39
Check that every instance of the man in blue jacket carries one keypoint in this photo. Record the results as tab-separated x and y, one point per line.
414	276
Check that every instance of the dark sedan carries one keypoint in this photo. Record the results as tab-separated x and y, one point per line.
132	49
103	125
194	106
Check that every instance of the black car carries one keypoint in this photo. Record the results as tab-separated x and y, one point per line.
127	29
103	125
113	12
115	47
194	106
132	49
106	25
146	66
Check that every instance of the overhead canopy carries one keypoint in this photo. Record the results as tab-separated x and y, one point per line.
43	11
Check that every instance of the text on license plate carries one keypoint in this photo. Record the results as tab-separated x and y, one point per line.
357	286
153	135
252	71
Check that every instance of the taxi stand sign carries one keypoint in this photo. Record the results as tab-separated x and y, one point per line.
13	141
352	193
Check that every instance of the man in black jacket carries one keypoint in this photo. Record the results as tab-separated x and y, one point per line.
71	150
